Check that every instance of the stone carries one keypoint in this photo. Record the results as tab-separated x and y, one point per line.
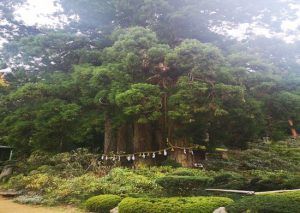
7	170
220	210
115	210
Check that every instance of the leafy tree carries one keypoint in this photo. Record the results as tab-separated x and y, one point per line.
52	52
48	116
53	119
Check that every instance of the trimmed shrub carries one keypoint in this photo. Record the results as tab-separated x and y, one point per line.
183	185
230	180
173	205
268	181
183	173
271	203
102	203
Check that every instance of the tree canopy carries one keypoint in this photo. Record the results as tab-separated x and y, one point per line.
127	76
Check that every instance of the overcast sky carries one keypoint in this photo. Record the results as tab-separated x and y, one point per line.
42	12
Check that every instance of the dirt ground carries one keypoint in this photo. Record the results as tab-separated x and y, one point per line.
8	206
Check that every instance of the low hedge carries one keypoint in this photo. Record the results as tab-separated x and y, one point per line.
102	203
183	173
271	203
173	205
277	180
229	180
183	185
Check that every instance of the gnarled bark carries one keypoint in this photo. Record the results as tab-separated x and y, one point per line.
145	138
185	159
109	136
124	138
178	155
142	137
143	142
160	134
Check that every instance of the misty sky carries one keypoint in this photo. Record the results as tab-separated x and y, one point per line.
42	12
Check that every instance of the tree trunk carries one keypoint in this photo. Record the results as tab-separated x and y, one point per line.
142	137
125	138
109	137
178	155
160	135
143	142
185	159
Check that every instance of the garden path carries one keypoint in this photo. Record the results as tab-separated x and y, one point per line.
8	206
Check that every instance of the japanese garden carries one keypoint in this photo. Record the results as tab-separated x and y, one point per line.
140	106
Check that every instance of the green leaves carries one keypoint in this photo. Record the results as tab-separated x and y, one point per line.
55	114
185	86
108	81
188	100
194	56
142	101
52	121
133	40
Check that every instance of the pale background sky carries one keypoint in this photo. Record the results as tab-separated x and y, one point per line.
35	12
38	12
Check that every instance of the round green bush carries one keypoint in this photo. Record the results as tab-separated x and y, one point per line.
102	203
173	205
183	185
271	203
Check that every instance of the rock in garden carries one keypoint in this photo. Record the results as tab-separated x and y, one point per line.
220	210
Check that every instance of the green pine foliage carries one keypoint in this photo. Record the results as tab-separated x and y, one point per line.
139	78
